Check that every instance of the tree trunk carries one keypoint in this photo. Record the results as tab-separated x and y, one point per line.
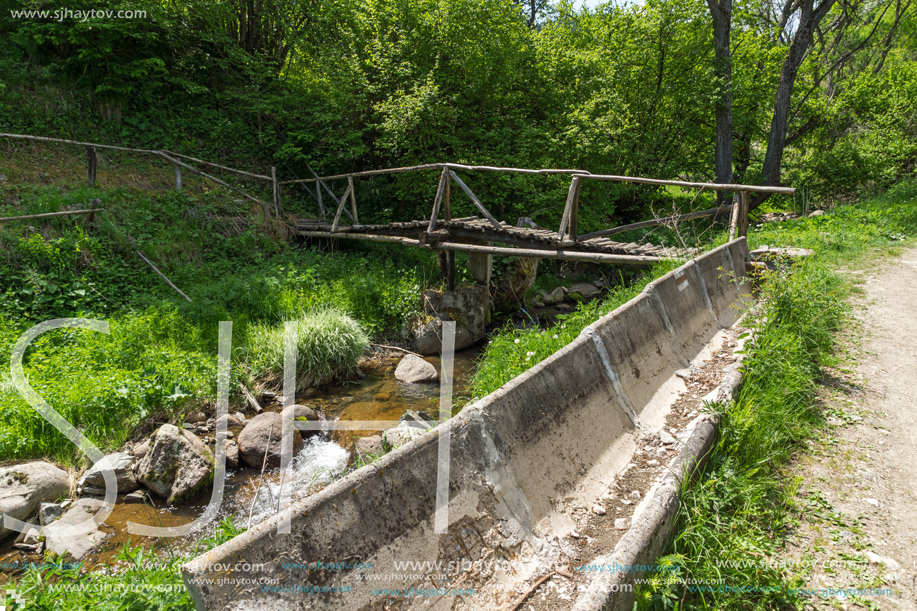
721	11
809	19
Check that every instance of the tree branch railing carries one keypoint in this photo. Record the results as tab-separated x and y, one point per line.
567	234
175	159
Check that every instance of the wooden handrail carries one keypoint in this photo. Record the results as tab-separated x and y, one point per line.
690	185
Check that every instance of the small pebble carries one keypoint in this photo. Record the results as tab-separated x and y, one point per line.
598	510
622	523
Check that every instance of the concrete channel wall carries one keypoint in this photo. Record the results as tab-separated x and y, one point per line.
562	429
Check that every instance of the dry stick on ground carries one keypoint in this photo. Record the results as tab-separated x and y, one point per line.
162	275
50	214
250	398
395	348
529	592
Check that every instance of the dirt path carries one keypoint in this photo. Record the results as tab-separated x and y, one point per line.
858	492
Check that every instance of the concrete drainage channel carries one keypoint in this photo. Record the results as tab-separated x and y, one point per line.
558	450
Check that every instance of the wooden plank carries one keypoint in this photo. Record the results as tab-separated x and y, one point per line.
365	173
568	255
475	200
77	143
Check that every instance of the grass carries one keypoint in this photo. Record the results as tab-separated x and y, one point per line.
512	351
160	356
328	345
138	580
734	522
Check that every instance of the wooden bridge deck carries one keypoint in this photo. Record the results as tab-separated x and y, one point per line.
478	230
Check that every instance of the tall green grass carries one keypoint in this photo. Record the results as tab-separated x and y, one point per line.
160	357
738	514
512	351
328	345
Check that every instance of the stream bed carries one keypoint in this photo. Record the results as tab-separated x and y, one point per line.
249	498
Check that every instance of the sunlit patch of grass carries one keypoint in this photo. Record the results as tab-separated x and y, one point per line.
328	345
512	351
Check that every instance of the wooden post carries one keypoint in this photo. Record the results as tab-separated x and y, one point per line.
337	214
447	200
572	201
437	201
353	199
91	157
574	213
178	178
742	229
447	215
734	217
321	205
276	190
447	268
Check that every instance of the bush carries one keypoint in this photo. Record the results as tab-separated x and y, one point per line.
328	345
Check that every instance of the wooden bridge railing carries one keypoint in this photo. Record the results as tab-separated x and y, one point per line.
567	234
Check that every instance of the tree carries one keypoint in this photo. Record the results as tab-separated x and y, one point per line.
721	11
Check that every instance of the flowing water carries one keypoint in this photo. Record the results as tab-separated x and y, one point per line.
249	498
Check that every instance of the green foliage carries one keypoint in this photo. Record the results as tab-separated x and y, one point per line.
328	345
738	515
848	231
137	580
160	356
512	351
152	362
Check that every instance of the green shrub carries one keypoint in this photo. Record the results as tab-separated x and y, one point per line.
104	385
328	345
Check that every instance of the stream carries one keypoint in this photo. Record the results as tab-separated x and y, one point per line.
377	395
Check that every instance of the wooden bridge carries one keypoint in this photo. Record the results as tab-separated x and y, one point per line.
477	235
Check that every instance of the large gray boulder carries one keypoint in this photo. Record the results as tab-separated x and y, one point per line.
263	434
177	465
468	306
122	463
24	487
63	538
413	369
